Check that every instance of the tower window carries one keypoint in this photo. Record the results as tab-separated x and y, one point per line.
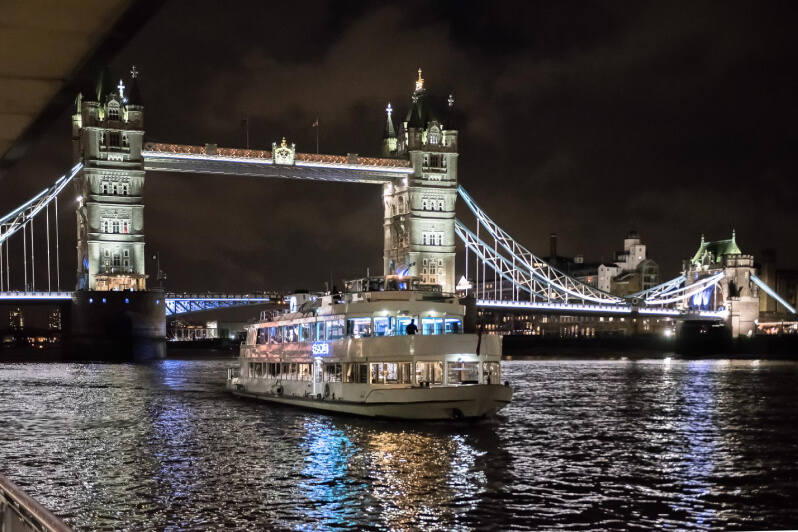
124	190
113	112
104	226
113	139
124	230
117	260
115	227
125	141
440	205
424	205
116	189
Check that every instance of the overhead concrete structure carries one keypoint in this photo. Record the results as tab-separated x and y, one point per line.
68	43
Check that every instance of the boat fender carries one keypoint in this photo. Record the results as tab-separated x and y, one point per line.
278	390
457	413
326	390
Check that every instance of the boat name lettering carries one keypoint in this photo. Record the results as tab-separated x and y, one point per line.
320	348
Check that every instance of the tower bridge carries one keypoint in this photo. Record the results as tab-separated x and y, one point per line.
418	175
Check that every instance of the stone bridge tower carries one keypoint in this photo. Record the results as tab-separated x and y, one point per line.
107	137
419	209
736	292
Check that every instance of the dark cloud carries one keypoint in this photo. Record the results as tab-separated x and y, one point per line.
676	118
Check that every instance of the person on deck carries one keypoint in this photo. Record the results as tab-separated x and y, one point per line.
411	327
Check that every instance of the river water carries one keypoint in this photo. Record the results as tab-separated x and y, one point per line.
586	445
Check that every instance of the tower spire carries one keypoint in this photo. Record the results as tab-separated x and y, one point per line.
419	82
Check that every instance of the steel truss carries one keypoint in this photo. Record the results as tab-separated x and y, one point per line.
562	285
184	305
772	293
680	294
660	289
16	220
519	277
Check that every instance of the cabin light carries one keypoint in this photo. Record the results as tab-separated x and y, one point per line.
103	300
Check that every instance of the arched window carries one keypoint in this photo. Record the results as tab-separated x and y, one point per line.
105	188
104	226
113	111
115	227
124	190
125	141
440	205
424	205
116	189
124	227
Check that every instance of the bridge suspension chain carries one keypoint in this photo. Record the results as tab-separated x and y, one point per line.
22	219
554	279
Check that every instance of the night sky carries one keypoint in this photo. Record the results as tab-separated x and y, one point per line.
584	119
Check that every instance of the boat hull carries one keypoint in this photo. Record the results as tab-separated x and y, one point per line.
427	404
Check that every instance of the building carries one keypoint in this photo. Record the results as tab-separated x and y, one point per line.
54	320
107	137
419	209
16	320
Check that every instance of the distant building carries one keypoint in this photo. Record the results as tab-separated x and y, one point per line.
16	320
54	320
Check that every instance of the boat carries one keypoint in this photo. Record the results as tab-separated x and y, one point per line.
387	347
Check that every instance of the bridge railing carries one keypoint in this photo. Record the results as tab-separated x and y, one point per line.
19	512
35	295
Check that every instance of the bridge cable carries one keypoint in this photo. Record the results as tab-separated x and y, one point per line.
25	255
57	250
49	284
32	256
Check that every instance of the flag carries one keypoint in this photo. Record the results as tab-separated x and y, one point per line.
316	123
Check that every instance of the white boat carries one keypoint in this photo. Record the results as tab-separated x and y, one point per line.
351	353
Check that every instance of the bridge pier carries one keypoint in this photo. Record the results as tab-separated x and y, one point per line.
116	326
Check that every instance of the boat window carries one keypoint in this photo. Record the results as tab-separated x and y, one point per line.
319	327
362	373
376	284
358	327
402	322
293	371
276	335
262	336
305	373
492	373
383	326
304	332
391	373
453	326
463	372
285	371
291	333
258	367
431	372
431	325
332	372
335	329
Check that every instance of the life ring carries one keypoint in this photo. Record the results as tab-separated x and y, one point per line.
326	390
277	390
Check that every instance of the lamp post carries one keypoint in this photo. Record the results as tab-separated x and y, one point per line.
160	277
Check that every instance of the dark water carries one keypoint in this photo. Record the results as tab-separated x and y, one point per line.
586	445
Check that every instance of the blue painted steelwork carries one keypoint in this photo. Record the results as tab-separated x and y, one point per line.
772	293
185	304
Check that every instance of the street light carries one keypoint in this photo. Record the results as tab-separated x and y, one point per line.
160	277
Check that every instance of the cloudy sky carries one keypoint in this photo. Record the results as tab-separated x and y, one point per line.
584	119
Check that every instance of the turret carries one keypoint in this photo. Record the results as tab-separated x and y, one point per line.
389	136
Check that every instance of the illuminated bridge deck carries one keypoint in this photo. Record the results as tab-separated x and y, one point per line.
260	163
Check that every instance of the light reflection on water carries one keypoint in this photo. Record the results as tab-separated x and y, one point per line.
586	445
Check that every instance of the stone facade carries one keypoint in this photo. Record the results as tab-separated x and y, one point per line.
419	209
107	137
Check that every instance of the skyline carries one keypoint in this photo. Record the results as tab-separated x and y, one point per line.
626	125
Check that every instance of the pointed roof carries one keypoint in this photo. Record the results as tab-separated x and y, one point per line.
450	122
420	113
134	93
390	132
717	250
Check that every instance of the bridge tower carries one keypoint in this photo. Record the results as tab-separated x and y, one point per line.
107	136
736	292
419	209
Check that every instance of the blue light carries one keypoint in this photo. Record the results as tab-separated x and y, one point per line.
320	348
127	300
91	300
103	300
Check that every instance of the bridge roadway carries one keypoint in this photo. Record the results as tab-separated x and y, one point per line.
177	304
230	161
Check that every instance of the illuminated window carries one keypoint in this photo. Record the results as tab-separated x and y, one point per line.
113	112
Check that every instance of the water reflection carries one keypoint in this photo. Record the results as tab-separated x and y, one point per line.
586	445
